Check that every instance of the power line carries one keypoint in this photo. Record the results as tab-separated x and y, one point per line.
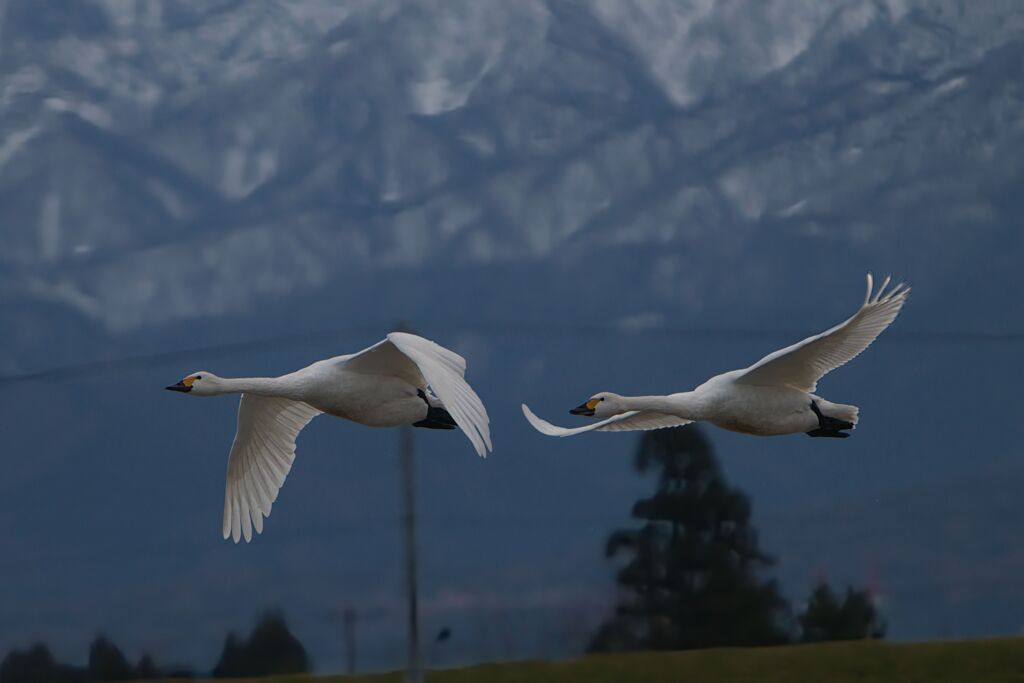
147	360
97	367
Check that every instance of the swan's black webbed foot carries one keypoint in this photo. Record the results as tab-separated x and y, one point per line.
834	433
826	422
829	426
437	418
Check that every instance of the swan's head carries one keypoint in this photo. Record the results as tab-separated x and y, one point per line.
200	383
604	404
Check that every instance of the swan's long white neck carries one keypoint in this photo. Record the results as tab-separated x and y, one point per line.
685	404
264	386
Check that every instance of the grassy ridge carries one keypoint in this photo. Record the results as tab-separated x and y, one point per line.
964	661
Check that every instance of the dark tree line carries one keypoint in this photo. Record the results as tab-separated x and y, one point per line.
691	574
270	649
37	664
826	617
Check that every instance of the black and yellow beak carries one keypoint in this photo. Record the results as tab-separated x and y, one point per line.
183	386
587	409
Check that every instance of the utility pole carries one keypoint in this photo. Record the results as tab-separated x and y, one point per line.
414	671
413	666
348	620
350	616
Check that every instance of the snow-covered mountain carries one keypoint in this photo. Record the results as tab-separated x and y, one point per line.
162	162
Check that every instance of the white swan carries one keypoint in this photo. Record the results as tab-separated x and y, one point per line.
773	396
401	380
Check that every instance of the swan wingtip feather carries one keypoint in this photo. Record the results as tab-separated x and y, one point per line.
541	425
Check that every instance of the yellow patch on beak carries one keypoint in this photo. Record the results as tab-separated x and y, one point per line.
189	381
592	403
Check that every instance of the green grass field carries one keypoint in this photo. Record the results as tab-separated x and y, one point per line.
964	661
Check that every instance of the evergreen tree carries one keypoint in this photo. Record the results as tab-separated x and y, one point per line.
270	649
230	663
107	662
826	618
690	579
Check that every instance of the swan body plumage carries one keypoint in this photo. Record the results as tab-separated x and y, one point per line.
403	379
771	397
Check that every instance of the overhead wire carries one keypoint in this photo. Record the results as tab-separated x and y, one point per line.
160	358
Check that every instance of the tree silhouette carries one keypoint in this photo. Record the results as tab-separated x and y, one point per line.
270	649
107	662
230	662
690	579
35	665
826	618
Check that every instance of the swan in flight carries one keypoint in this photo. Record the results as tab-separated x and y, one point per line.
403	379
773	396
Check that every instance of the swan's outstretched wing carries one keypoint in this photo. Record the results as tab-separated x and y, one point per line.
634	420
261	456
801	365
423	363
